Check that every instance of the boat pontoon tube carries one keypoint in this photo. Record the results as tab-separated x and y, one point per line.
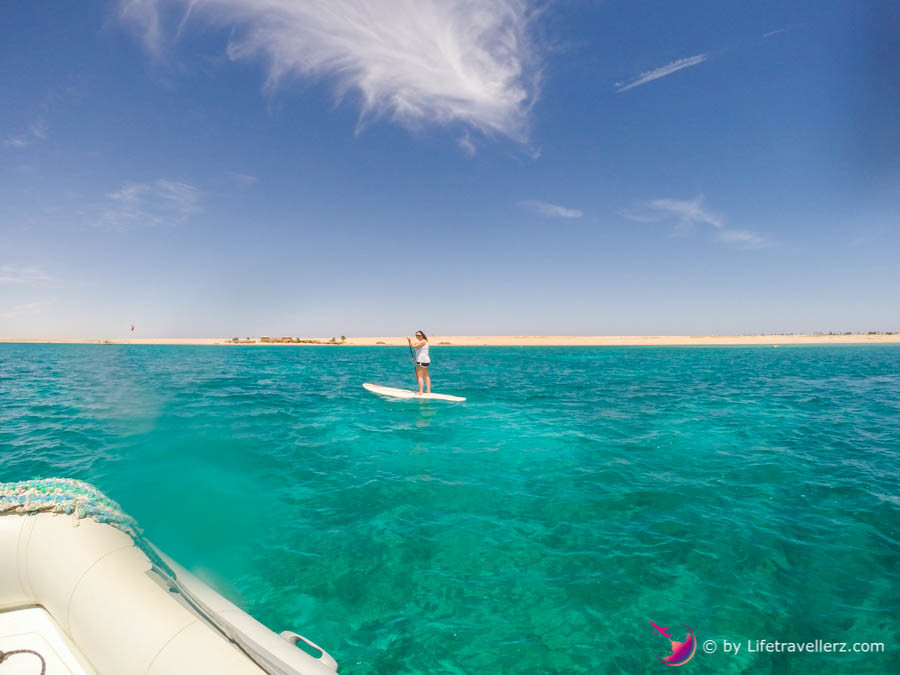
118	614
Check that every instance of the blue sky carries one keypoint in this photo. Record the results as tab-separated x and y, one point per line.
368	168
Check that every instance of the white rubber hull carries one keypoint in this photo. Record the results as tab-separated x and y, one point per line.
103	608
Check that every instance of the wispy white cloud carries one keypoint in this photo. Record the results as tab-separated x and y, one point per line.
243	180
773	32
467	62
24	309
467	144
37	131
686	214
639	217
743	238
154	203
553	210
688	211
662	71
22	274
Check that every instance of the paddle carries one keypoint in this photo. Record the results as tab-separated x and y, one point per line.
412	355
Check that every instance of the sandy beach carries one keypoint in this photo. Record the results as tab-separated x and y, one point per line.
513	340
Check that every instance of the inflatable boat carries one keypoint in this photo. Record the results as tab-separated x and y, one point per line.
82	592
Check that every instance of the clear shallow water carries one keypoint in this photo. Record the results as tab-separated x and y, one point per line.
580	492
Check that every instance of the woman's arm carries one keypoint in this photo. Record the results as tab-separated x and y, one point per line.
417	344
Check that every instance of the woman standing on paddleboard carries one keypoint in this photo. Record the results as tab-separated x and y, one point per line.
423	360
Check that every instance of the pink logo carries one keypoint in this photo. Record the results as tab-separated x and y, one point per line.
682	652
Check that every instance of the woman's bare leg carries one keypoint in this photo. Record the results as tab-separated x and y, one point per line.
420	377
427	380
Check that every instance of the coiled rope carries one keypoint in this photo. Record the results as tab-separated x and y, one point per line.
65	495
6	655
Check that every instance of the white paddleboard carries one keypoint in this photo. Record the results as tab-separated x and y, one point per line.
406	393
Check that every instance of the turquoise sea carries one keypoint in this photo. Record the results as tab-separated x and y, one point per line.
580	493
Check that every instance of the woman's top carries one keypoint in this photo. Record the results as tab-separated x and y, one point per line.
422	354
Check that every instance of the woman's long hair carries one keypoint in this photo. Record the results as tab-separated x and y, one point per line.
424	337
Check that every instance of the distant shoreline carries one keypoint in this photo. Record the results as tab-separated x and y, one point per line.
505	340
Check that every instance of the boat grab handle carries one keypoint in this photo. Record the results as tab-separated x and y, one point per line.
326	658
